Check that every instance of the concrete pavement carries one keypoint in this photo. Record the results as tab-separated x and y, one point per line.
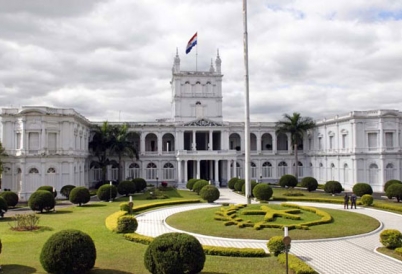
355	254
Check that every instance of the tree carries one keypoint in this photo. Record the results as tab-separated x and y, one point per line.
122	144
297	126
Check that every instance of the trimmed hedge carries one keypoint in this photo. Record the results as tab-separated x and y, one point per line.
41	200
165	203
310	183
391	238
125	206
48	188
333	187
367	200
140	184
288	180
79	195
361	189
233	251
65	190
391	182
111	221
10	197
126	224
210	193
199	185
276	245
253	184
174	253
3	204
138	238
232	182
298	266
106	192
68	252
239	184
126	188
190	183
262	192
394	190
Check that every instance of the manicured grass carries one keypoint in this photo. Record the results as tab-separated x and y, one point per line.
202	221
115	255
390	252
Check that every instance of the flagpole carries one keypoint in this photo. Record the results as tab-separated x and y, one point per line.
247	110
196	54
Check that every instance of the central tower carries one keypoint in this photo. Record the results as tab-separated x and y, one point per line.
196	94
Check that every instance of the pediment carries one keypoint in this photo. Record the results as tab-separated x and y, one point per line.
202	123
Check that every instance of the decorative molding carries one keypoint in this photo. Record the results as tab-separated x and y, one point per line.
203	123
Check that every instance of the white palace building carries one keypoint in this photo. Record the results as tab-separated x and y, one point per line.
49	146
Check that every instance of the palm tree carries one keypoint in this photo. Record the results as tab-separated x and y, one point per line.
297	126
122	145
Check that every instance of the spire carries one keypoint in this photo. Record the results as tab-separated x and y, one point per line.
218	62
211	69
176	63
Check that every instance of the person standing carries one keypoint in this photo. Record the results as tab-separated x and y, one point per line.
353	199
346	201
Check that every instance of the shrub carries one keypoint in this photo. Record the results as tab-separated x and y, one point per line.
252	183
25	222
174	253
232	182
140	184
190	183
107	192
209	193
126	187
391	238
68	252
296	264
10	197
310	183
276	245
367	200
79	195
41	200
333	187
391	182
126	206
3	206
126	224
239	184
262	192
48	188
288	180
362	188
65	190
394	190
199	185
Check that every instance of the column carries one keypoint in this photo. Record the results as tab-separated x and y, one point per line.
274	143
72	179
289	143
179	172
211	170
194	146
228	171
210	143
43	144
142	143
23	137
185	171
198	169
258	142
159	143
216	178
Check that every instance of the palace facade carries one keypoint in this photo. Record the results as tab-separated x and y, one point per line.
49	146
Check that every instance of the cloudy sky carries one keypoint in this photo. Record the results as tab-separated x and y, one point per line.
112	59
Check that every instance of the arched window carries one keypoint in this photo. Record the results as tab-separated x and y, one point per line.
320	171
33	171
373	174
389	172
51	170
253	170
345	173
168	171
266	170
134	171
151	171
282	168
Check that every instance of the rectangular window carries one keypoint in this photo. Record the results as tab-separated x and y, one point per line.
344	141
372	141
389	140
52	142
331	142
33	142
320	143
18	144
309	144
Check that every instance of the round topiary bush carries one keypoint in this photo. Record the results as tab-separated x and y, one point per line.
362	188
80	195
394	190
199	185
65	190
232	182
391	182
174	253
310	183
48	188
210	193
126	187
127	224
10	197
190	183
107	192
262	192
140	184
391	238
126	206
41	200
288	180
3	204
243	188
276	245
239	184
367	200
68	252
333	187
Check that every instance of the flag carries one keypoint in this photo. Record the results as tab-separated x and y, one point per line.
191	43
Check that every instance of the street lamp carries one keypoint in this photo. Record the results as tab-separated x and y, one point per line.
286	241
130	205
110	192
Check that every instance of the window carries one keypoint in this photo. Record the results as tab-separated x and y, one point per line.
18	144
33	141
389	140
52	142
331	142
389	172
253	170
51	170
168	171
319	143
267	170
373	174
343	141
33	171
282	168
134	171
372	141
345	173
309	144
151	171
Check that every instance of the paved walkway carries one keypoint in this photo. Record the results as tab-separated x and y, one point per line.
354	254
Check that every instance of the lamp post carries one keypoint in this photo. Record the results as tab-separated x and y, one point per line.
110	192
260	178
157	185
130	205
286	241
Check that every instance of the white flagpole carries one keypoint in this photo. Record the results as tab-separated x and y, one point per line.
196	54
247	111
